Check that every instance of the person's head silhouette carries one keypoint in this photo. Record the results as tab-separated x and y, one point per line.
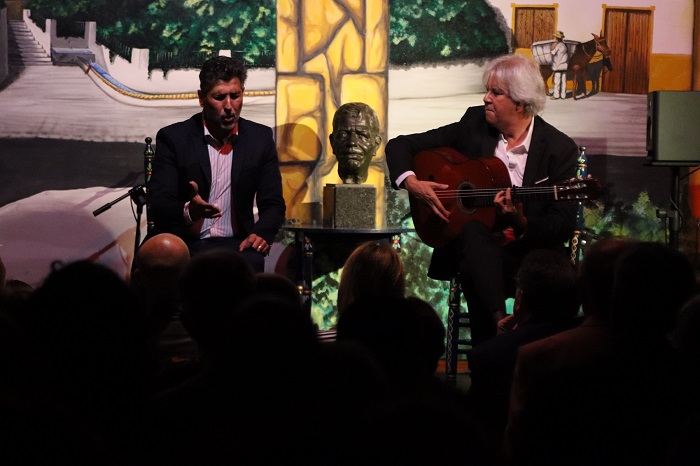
355	140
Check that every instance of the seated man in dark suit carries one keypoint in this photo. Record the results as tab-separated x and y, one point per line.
210	170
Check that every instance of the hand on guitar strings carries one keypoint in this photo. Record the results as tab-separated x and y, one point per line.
504	203
425	191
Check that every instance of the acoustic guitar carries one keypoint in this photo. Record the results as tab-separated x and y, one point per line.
473	184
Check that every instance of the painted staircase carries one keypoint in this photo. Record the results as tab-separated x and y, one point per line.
23	48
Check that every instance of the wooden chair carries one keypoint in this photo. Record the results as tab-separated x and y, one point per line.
458	330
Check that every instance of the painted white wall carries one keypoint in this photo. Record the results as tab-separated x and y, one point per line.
672	34
672	20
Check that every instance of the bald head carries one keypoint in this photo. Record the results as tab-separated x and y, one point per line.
160	260
163	250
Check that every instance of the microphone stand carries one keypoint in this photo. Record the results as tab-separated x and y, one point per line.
138	197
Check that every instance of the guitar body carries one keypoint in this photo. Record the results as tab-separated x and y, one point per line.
448	166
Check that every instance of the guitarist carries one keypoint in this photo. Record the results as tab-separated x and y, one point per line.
535	153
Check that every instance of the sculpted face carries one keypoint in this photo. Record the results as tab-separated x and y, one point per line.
355	141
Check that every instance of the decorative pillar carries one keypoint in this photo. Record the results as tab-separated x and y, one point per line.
328	53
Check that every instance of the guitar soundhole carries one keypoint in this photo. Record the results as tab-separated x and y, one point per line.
466	200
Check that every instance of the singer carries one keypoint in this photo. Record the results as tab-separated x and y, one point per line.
209	170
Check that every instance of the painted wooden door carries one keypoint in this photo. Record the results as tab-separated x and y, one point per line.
628	34
532	24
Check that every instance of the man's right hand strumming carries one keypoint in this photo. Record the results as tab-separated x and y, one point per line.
425	190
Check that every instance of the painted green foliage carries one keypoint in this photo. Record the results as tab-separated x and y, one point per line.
420	31
638	220
166	26
429	31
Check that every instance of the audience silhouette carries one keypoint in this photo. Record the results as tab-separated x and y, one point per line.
406	336
14	293
90	334
609	391
685	448
556	399
213	284
547	301
158	267
82	384
276	284
652	282
252	400
374	268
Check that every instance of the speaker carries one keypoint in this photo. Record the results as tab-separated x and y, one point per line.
673	136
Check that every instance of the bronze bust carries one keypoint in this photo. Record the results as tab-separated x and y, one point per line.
355	140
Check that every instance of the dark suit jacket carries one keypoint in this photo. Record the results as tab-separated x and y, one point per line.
552	157
561	399
182	156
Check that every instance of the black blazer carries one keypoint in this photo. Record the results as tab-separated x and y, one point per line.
182	156
553	157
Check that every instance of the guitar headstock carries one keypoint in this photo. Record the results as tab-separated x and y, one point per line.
579	189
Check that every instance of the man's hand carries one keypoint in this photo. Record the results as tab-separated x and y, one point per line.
504	203
253	241
425	191
199	208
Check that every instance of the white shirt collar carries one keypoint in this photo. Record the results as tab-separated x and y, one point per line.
524	147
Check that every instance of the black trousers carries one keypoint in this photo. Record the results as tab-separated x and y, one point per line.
487	272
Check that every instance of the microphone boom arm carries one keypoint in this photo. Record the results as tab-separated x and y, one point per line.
137	194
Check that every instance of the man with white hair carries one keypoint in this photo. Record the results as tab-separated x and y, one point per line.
508	135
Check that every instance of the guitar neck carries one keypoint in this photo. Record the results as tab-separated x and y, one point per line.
543	193
484	197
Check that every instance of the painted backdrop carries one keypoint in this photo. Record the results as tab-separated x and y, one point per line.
79	102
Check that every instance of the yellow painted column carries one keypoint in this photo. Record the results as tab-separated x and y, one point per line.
328	53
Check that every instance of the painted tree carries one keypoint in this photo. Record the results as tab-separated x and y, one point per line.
421	31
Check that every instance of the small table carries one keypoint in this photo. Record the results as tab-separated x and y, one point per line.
306	237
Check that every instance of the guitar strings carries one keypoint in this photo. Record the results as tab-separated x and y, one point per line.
492	192
563	190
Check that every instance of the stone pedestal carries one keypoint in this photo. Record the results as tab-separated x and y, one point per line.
349	206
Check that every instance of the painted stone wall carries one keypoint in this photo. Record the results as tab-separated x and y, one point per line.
328	53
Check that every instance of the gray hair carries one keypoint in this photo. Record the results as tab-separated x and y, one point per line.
520	76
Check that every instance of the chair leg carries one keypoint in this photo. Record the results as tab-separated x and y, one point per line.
453	320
